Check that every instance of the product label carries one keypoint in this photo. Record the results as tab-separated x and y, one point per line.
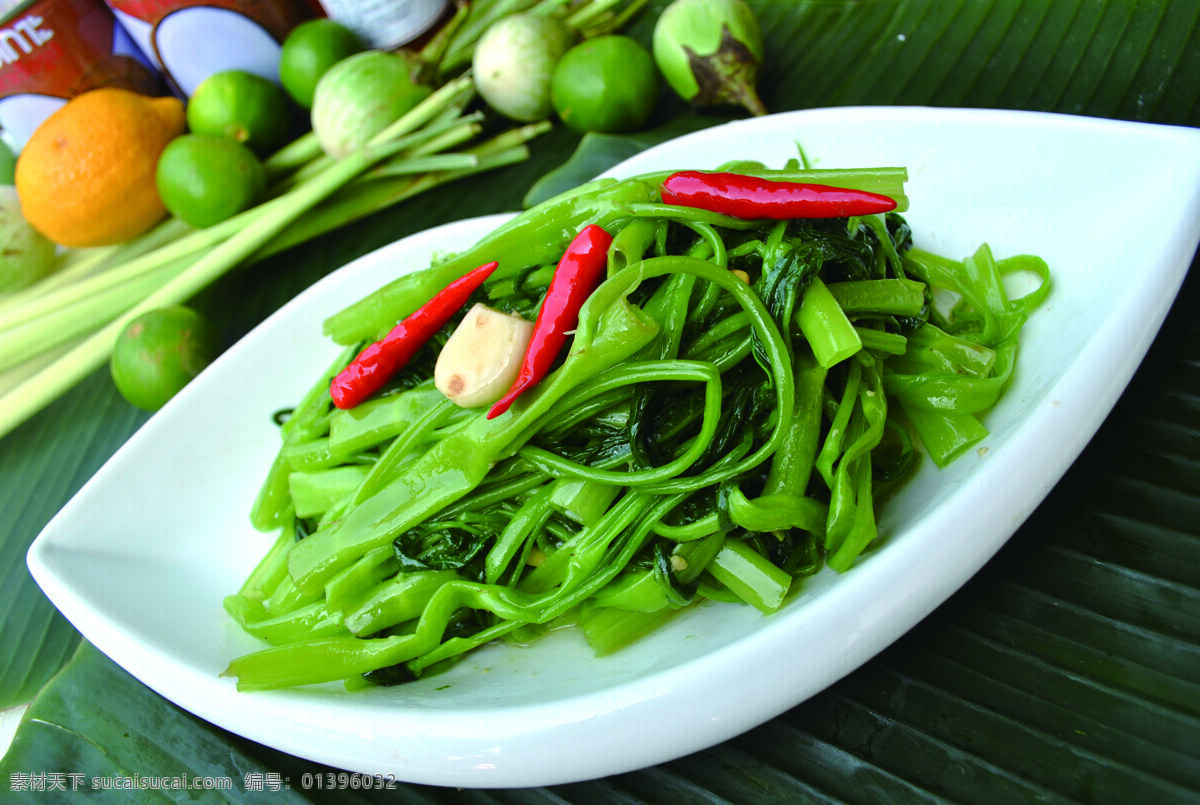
22	37
61	48
52	51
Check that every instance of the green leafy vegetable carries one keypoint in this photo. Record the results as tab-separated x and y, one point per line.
723	424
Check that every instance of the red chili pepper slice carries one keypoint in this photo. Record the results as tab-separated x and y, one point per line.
751	197
376	364
577	275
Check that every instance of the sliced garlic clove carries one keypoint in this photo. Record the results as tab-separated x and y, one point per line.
482	357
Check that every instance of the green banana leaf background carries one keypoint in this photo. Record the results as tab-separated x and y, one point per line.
1068	669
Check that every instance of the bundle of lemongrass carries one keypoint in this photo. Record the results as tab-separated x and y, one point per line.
58	331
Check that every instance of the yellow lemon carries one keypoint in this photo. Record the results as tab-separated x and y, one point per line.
86	176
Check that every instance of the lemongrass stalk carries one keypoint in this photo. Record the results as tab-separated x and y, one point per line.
424	65
453	119
11	378
318	165
77	264
84	258
481	15
433	50
449	117
84	316
61	276
550	8
362	198
54	379
162	234
124	273
458	91
461	48
444	142
424	134
303	174
72	265
357	200
453	94
451	138
427	164
296	154
504	149
580	19
608	22
512	137
488	161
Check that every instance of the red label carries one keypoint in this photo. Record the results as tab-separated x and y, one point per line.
278	17
64	47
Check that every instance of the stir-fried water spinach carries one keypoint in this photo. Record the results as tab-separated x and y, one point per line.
737	398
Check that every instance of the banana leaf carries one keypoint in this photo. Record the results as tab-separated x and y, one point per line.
1067	670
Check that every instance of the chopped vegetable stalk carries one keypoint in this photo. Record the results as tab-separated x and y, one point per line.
830	333
751	576
314	493
608	629
724	421
898	297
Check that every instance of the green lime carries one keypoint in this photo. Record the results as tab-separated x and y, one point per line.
205	178
159	352
309	50
607	84
242	106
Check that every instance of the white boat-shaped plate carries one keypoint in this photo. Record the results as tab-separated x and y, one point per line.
140	559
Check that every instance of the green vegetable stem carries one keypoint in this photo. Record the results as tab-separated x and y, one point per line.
738	397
